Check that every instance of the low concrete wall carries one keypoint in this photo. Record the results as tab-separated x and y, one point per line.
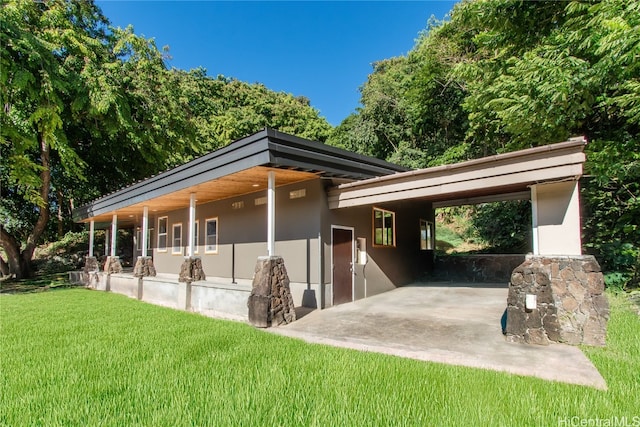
161	291
124	284
481	268
222	300
219	300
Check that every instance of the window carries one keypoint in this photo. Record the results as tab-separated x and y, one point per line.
298	194
138	242
196	232
384	224
139	239
211	242
162	234
426	235
177	239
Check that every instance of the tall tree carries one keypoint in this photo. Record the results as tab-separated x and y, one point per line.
72	88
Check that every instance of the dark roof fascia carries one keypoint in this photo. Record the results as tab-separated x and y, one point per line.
291	151
239	155
265	148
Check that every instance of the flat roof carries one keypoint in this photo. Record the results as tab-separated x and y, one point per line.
238	168
499	177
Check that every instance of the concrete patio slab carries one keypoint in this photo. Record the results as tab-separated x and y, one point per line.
458	324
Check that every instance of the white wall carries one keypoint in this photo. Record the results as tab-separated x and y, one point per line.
556	218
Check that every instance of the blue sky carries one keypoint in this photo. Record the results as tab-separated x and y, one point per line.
322	50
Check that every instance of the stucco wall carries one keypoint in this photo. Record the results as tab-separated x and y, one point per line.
242	235
386	267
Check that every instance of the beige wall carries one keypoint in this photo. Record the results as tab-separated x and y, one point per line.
242	234
386	267
556	218
303	239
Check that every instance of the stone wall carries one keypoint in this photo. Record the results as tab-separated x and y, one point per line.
570	305
191	270
144	267
270	302
481	268
112	265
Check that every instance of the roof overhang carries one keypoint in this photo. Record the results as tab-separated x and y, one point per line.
501	177
239	168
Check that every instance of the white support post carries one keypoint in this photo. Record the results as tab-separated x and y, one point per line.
192	223
91	231
106	242
534	219
271	213
114	234
145	230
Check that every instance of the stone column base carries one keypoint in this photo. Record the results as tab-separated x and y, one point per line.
144	267
566	298
112	265
270	302
191	270
90	272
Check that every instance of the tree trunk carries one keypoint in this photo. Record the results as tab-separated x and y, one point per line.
11	247
20	262
4	267
60	198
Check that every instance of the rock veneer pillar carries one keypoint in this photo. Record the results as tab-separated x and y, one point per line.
270	302
90	276
144	267
191	270
557	299
112	265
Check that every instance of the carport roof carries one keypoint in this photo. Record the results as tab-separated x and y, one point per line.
239	168
505	176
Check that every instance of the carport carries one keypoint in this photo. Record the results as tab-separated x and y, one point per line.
546	175
556	294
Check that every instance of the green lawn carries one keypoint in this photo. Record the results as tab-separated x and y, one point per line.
80	357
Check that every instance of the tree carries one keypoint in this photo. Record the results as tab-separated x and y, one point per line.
73	89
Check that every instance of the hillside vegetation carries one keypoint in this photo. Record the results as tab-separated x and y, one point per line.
503	75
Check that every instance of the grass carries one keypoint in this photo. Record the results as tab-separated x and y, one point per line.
39	284
80	357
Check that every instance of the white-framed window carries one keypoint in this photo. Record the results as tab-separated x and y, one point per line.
139	239
176	238
427	236
211	236
384	227
196	233
162	233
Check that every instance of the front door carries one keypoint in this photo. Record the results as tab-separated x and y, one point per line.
342	242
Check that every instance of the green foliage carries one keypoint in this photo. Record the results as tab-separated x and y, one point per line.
504	226
503	75
88	108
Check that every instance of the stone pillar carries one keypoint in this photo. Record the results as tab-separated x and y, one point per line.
112	265
144	267
570	305
270	302
191	270
90	271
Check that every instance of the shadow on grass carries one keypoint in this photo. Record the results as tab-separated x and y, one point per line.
37	284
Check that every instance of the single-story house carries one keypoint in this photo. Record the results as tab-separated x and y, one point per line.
347	225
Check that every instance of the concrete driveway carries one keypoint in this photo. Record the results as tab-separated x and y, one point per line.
455	324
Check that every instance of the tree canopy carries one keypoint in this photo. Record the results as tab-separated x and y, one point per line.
502	75
88	108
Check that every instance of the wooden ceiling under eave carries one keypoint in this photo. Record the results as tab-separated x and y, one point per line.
248	181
